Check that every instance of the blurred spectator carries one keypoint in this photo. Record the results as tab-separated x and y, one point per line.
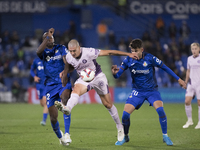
5	39
72	30
172	30
14	39
6	70
102	30
184	30
111	40
160	26
16	91
27	42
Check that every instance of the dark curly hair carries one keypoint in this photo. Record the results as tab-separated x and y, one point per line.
136	43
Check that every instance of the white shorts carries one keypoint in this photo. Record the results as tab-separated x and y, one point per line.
193	90
99	84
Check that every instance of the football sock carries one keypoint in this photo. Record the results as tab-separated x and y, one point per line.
126	122
73	101
162	119
114	114
56	129
188	111
67	121
45	116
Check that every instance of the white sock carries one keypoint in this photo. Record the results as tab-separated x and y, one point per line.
73	101
188	111
114	114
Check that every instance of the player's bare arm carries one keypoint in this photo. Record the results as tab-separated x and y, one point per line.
114	69
117	53
46	38
187	76
68	68
182	83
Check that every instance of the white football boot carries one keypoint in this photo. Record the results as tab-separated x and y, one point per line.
198	125
120	135
64	109
63	140
67	138
188	123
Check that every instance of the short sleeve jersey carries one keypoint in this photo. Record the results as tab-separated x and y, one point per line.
193	64
53	63
87	59
38	66
143	71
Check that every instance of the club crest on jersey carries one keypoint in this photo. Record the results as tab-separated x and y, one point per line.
56	51
145	64
84	61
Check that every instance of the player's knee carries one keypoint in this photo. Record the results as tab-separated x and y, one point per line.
125	118
161	112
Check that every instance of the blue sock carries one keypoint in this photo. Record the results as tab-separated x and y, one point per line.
67	122
126	122
45	116
162	119
56	129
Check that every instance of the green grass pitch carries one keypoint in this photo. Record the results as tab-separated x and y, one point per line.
92	128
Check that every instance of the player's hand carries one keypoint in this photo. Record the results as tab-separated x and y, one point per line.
182	83
114	69
133	55
51	31
61	74
36	79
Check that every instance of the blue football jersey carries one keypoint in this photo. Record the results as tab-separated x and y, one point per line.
143	71
53	63
38	66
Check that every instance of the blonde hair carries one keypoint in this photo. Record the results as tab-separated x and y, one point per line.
195	44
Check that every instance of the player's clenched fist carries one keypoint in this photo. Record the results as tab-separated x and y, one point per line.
114	69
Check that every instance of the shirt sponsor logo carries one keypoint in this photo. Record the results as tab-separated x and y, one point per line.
140	71
48	58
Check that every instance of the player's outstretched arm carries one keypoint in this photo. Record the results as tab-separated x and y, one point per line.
117	53
43	45
182	83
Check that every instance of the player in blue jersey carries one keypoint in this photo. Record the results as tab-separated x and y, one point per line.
37	72
144	87
52	57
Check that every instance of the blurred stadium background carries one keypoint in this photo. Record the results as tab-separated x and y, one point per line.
166	27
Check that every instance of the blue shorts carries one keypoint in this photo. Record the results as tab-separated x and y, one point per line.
54	91
137	98
40	90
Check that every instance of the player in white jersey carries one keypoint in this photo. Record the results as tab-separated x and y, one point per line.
193	87
81	58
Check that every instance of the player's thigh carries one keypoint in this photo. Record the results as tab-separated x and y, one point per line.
106	100
79	89
136	99
188	100
154	99
43	101
129	108
190	91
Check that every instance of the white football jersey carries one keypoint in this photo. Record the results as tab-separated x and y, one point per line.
193	64
86	60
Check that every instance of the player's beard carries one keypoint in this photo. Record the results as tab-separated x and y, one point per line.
50	45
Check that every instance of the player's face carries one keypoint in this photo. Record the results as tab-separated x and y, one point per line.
138	51
74	51
50	42
195	50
